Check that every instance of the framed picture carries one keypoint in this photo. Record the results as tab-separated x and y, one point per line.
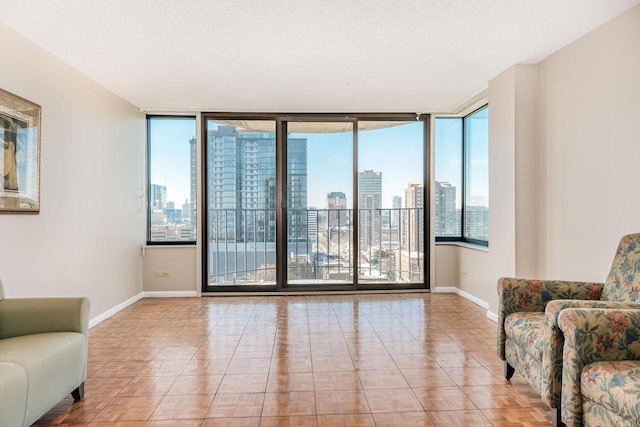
19	155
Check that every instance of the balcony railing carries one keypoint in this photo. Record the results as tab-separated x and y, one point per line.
320	245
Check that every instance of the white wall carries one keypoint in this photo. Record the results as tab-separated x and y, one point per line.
86	239
180	262
589	142
564	152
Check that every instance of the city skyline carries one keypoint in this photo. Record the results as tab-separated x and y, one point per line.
329	166
326	152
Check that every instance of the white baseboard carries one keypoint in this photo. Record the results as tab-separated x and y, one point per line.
453	290
148	294
445	290
104	316
492	316
170	294
473	299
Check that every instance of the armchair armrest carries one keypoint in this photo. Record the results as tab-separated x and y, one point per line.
517	295
24	316
552	361
593	335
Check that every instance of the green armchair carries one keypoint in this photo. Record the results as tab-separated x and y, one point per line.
601	368
529	339
43	355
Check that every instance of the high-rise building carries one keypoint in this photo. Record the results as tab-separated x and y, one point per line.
193	159
312	223
413	223
396	203
476	223
369	204
157	197
446	223
297	189
337	207
241	185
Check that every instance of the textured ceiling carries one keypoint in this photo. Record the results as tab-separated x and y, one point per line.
302	55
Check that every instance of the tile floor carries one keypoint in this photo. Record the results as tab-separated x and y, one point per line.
414	359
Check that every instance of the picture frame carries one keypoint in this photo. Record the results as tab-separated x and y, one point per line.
20	129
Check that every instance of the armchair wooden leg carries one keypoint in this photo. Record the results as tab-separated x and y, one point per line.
556	419
78	394
508	370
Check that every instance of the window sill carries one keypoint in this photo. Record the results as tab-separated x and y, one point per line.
161	246
465	245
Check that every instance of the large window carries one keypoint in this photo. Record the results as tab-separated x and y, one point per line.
461	190
314	202
171	178
476	175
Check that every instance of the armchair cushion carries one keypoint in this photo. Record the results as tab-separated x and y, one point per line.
597	335
612	387
53	364
13	394
518	295
527	328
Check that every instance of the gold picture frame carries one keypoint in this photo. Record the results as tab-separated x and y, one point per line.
20	125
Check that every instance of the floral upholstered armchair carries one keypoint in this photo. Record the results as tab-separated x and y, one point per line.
529	339
601	367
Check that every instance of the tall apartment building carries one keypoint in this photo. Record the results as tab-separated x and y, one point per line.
158	196
477	222
193	185
369	204
413	222
241	185
396	203
336	201
446	223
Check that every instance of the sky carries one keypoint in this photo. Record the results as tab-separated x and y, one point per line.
395	151
170	157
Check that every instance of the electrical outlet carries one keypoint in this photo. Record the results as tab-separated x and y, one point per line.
162	274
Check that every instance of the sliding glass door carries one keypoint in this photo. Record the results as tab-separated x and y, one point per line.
319	194
320	202
241	204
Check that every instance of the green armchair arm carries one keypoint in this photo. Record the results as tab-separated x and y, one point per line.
530	295
24	316
593	335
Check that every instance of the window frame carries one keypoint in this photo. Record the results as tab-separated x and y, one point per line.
282	119
464	180
149	118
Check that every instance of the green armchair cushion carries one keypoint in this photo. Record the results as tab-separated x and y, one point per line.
54	365
13	394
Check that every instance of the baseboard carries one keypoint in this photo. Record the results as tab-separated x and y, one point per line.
170	294
445	290
492	316
473	299
453	290
107	314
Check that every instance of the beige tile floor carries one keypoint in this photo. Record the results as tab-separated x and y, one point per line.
334	360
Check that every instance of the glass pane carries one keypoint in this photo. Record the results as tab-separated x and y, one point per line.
320	189
241	191
476	221
172	179
448	174
390	203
